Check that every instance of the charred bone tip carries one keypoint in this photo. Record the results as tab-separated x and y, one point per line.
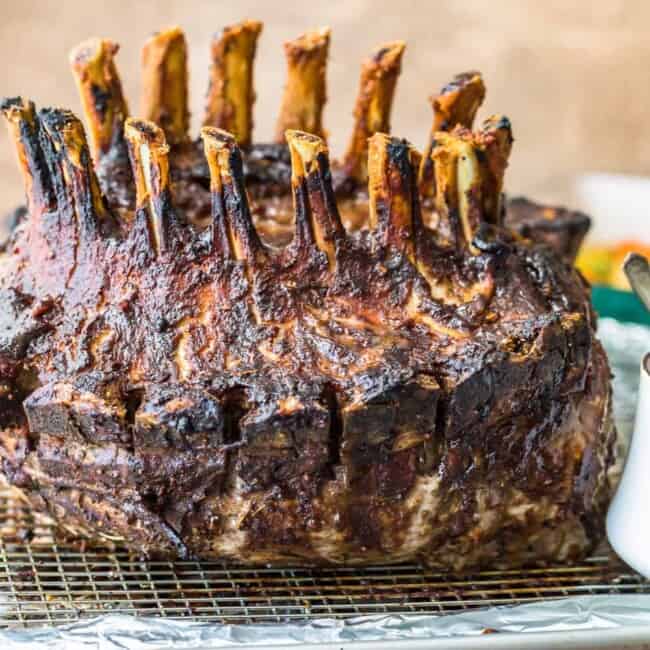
495	139
305	91
455	104
231	94
458	184
305	149
318	222
149	154
218	146
234	232
23	127
393	200
496	131
100	90
16	109
469	170
458	101
68	157
379	74
65	130
164	77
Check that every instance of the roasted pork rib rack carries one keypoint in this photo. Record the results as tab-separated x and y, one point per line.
222	349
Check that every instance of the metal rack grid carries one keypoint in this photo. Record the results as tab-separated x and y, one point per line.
43	583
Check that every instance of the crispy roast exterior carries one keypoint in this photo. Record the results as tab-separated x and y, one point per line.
561	229
389	392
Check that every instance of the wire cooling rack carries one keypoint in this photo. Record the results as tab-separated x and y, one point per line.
43	582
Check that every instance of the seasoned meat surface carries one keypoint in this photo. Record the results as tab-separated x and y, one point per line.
244	353
561	229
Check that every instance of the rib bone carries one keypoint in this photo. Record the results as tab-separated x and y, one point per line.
23	130
394	206
458	183
469	177
456	104
496	140
317	218
101	94
305	92
149	152
372	111
234	232
164	79
229	103
71	167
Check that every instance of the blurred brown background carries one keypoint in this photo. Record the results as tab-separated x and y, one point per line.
574	77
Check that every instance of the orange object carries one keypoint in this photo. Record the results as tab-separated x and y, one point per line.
604	264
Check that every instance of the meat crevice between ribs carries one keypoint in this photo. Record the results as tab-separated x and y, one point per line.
220	349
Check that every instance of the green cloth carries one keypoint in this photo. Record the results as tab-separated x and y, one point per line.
621	305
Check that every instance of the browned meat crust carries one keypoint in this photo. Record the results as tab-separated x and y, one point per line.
170	379
561	229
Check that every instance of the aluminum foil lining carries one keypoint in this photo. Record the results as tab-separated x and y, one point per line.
601	616
598	615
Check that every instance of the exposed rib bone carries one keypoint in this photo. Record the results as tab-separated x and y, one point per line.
372	111
456	104
469	176
305	92
164	83
458	184
149	152
229	103
101	94
71	168
317	218
496	139
234	232
394	204
23	130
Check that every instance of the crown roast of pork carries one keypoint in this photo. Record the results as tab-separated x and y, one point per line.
219	349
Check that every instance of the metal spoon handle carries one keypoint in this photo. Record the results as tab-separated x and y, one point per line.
637	269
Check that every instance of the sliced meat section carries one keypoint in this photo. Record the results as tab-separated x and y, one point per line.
88	407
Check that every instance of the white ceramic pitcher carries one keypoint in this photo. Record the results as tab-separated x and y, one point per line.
628	520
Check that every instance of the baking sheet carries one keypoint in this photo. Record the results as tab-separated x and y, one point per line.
602	618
